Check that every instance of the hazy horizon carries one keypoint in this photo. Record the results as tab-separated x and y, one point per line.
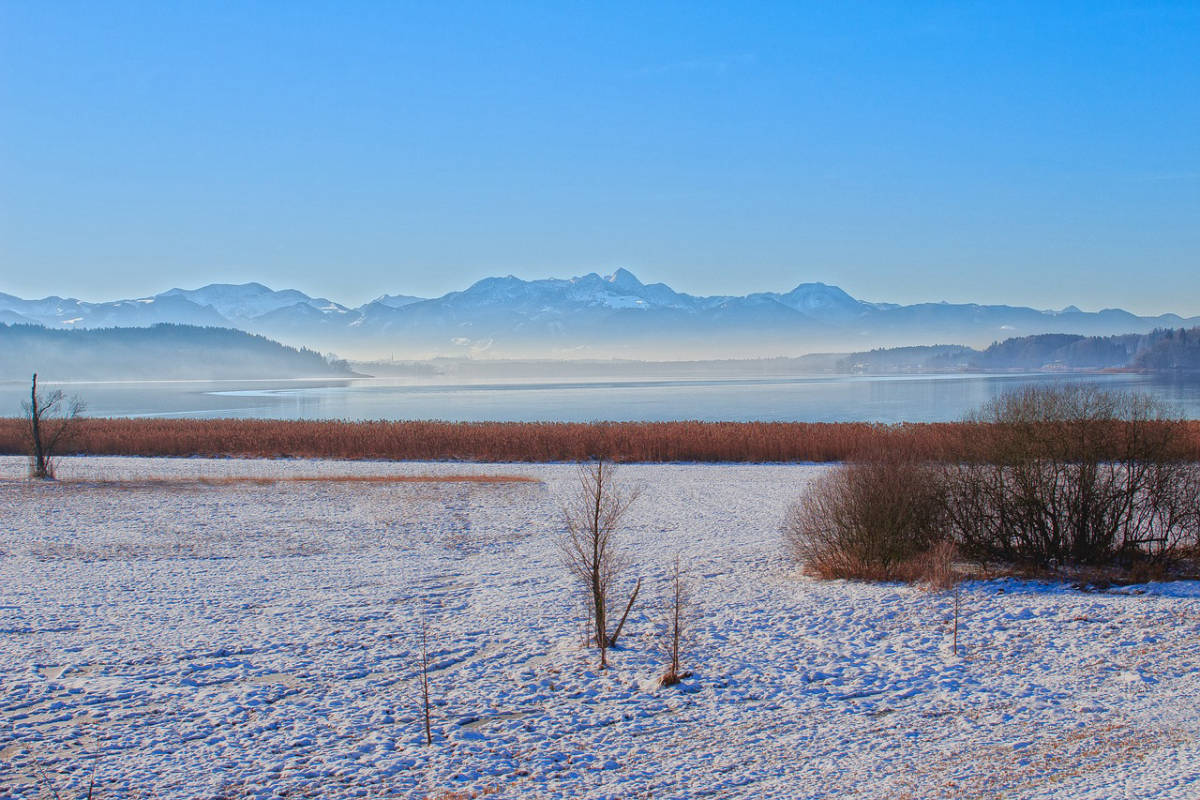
907	152
589	316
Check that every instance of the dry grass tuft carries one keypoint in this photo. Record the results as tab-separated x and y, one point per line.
936	567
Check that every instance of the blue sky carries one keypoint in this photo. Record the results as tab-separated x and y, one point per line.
1030	153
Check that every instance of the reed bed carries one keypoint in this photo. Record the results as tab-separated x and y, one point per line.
753	442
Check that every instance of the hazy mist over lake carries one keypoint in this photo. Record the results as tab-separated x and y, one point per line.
820	398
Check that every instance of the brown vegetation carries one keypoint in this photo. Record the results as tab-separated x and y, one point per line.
878	519
517	441
1051	478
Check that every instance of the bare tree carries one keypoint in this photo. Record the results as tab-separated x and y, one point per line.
592	551
677	609
51	418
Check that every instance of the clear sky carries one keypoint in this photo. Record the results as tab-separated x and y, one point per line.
1039	153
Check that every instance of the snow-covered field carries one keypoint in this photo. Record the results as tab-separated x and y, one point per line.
238	639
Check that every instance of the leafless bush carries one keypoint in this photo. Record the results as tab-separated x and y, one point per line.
677	605
873	519
51	418
592	550
1074	476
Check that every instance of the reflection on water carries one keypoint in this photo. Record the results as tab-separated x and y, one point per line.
922	398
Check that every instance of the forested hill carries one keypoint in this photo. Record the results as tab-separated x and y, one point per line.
159	352
1164	349
1171	349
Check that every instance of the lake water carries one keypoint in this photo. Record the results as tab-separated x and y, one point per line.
824	398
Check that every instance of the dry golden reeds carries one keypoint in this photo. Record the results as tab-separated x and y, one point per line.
521	441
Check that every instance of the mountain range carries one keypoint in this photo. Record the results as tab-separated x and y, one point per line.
589	316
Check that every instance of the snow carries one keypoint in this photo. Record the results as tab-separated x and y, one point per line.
250	300
619	301
624	279
397	300
242	639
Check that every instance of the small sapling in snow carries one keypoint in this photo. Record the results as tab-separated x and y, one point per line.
425	705
677	609
592	551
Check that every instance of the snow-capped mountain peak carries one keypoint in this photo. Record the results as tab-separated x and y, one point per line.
249	300
624	279
397	300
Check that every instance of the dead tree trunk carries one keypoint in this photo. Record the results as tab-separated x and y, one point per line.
51	419
40	470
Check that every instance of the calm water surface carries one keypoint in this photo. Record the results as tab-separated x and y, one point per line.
923	398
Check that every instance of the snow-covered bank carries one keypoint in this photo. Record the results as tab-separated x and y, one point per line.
253	639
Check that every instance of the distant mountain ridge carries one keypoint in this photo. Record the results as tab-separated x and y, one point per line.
585	316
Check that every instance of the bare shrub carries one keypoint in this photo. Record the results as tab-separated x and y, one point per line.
592	550
677	606
873	519
1074	476
51	418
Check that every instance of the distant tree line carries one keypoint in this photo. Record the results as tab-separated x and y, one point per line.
1163	349
164	351
1178	348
